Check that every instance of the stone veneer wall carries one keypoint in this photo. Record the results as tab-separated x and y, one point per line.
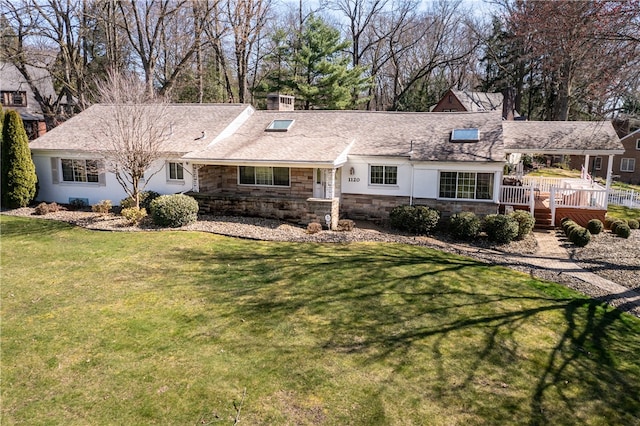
221	194
378	207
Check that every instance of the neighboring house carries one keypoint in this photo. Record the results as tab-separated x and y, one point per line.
468	101
626	167
306	166
16	94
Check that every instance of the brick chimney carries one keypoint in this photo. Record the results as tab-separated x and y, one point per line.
508	103
279	102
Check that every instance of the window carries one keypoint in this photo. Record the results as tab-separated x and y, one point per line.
467	185
627	165
638	143
279	126
383	175
80	170
176	171
14	98
267	176
465	135
597	163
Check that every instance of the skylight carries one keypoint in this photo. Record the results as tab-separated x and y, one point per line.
465	135
279	126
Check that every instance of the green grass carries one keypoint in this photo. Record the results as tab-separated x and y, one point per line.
622	212
555	172
173	327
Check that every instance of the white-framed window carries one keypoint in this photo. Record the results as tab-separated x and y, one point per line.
638	144
466	185
176	171
14	98
84	171
627	164
383	175
263	176
597	163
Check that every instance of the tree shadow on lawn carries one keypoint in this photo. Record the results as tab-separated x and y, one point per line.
392	307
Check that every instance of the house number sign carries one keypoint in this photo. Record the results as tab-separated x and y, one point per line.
354	179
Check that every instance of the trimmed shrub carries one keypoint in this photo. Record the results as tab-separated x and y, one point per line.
146	197
608	221
174	211
616	223
134	215
501	228
464	226
526	222
595	226
563	220
314	228
634	224
414	219
581	237
346	225
104	206
623	231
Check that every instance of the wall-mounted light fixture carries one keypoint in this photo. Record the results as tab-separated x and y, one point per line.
352	171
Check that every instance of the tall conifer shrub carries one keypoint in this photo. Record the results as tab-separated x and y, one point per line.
18	171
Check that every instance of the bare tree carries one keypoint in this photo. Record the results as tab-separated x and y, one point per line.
134	127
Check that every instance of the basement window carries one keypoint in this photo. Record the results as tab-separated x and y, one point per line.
279	126
465	135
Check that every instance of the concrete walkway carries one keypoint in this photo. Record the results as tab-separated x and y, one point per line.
552	256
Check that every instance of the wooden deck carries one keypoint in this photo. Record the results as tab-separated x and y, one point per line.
542	213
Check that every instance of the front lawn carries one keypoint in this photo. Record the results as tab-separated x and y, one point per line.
192	328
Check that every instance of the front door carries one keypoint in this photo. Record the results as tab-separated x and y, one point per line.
319	183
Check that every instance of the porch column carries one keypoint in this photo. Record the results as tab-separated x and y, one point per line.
195	180
609	172
586	167
331	183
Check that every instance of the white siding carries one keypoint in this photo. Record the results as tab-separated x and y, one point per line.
94	192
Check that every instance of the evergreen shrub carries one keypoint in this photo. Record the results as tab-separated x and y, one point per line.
526	222
581	237
18	179
174	211
623	231
595	226
633	224
501	228
464	226
146	197
414	219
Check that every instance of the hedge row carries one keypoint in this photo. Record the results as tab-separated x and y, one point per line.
575	233
465	225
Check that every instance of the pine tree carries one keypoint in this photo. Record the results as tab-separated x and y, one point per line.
326	80
18	171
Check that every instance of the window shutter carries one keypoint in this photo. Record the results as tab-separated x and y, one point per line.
102	177
55	174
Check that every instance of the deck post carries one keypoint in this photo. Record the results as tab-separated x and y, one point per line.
608	184
552	204
586	166
532	201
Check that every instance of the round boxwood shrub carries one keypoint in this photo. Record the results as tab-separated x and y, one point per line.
526	222
634	224
581	237
465	225
414	219
146	197
174	210
616	223
595	226
623	231
501	228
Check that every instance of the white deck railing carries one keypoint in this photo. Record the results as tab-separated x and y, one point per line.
625	197
517	196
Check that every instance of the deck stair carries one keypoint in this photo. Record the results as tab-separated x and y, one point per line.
543	218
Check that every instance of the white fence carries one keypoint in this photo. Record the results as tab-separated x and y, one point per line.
625	197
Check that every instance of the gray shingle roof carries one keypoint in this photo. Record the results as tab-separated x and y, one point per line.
187	122
479	101
12	80
568	137
321	136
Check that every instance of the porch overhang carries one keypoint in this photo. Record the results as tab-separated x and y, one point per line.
565	151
